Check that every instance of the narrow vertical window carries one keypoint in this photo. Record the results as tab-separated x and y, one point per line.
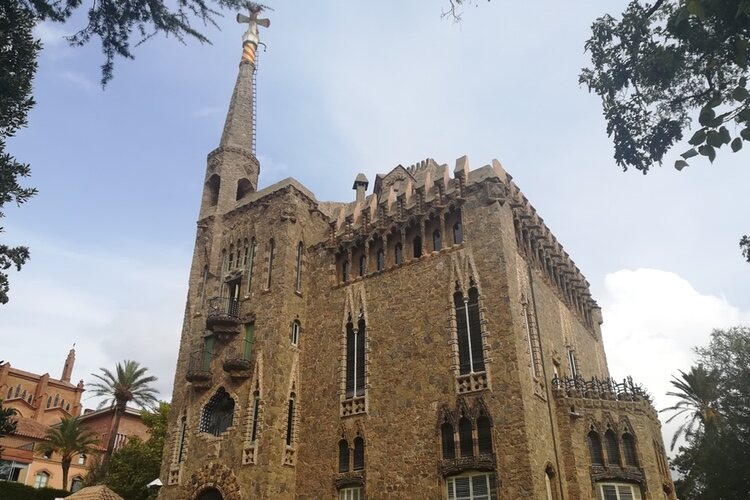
437	241
362	265
595	448
250	264
208	351
549	482
417	252
295	332
572	362
290	421
469	330
230	266
458	234
465	438
484	436
351	351
449	444
380	259
223	263
613	451
204	280
245	254
359	385
256	408
531	340
355	359
181	443
359	453
298	271
345	271
628	448
247	350
271	250
399	254
343	456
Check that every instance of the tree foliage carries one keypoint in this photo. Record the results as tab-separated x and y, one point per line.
714	462
69	439
698	393
18	52
7	422
138	462
661	64
129	383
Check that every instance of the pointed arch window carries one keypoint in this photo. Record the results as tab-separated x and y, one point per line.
57	400
256	409
355	359
458	234
468	323
595	448
484	435
49	398
628	449
465	439
290	421
533	343
295	332
343	456
359	453
76	484
298	270
417	250
213	185
549	482
610	445
399	253
271	252
437	241
380	259
448	441
218	414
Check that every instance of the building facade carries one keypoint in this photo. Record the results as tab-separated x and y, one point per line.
430	339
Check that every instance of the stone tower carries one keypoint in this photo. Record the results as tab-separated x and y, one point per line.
431	339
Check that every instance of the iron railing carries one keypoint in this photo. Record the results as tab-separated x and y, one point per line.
238	356
199	365
224	306
605	388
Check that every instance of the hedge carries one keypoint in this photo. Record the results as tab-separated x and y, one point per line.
18	491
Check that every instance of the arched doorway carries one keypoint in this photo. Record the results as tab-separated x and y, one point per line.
210	494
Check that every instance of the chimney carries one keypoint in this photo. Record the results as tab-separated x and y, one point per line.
360	184
68	368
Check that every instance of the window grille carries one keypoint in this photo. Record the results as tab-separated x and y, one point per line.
343	456
449	444
465	438
610	444
256	408
484	436
290	421
595	448
628	448
218	413
472	487
359	453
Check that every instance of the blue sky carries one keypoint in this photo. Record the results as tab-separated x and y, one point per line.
347	87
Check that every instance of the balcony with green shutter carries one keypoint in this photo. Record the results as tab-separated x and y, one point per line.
199	368
238	355
223	317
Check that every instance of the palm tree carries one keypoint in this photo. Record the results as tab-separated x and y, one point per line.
698	391
69	438
129	383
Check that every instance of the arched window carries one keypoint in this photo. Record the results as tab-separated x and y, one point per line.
437	241
362	265
298	270
628	449
355	359
417	243
290	421
398	253
380	259
613	451
345	271
458	234
484	435
181	440
18	390
41	479
549	482
10	394
57	400
210	494
49	400
595	448
218	413
271	251
76	484
256	410
449	443
82	459
30	398
212	188
359	453
295	332
251	264
465	439
243	187
470	351
343	456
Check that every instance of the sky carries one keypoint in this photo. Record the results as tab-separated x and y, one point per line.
348	87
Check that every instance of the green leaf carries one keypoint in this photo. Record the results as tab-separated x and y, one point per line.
713	139
724	135
736	144
689	153
698	138
744	115
740	94
680	164
708	151
706	116
743	82
745	134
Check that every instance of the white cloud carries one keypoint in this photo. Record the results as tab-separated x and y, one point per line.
77	79
652	321
50	34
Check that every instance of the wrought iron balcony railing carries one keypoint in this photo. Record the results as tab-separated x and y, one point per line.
223	317
595	388
224	306
199	367
238	358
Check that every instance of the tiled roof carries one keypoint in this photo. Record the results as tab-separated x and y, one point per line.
28	427
99	492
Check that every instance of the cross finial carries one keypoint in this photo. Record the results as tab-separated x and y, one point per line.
251	38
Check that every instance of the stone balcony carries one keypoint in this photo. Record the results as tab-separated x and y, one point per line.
223	318
199	369
238	360
481	462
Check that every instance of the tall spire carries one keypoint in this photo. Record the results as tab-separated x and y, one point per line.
238	128
68	367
